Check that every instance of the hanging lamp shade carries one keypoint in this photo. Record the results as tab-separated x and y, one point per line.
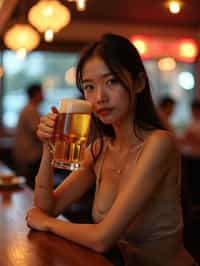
22	36
49	15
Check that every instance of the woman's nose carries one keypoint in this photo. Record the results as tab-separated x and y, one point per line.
101	95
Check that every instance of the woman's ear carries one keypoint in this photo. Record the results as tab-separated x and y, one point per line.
141	82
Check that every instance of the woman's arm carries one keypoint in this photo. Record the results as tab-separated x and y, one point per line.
43	193
144	179
71	189
84	234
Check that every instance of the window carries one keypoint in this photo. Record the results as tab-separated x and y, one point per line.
169	83
48	68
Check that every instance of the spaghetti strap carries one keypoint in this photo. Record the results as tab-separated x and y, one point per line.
100	164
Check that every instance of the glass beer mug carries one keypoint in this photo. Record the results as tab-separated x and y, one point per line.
71	133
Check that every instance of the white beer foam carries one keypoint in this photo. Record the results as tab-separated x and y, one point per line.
74	106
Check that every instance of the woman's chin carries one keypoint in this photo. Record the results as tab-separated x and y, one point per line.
106	120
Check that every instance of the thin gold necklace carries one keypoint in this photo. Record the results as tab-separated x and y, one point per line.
115	164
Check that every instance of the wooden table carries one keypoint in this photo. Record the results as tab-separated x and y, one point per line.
20	246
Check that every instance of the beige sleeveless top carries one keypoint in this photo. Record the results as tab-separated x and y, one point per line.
154	236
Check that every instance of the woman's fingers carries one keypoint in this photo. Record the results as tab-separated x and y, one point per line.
46	126
49	118
44	136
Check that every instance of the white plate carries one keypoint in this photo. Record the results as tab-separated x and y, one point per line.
16	181
6	174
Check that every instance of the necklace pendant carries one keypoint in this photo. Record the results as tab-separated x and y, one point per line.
118	171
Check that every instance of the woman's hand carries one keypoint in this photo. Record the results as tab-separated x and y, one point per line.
46	126
37	219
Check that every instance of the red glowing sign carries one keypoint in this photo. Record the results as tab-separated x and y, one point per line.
185	50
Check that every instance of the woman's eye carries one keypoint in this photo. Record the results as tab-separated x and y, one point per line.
112	81
88	87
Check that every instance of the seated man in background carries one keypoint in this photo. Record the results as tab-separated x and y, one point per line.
27	150
165	110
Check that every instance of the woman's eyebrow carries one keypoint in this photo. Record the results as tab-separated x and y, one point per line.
86	80
105	75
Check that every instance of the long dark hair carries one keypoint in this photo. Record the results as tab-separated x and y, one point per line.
121	57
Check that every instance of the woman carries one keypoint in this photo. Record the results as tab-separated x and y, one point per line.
132	160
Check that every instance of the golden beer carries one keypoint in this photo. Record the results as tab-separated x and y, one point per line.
71	133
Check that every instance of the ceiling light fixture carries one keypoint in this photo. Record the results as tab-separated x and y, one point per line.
21	38
49	16
174	6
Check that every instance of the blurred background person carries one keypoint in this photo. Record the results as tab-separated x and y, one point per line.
165	109
27	150
190	150
190	141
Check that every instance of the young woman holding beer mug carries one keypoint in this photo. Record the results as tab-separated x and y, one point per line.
132	159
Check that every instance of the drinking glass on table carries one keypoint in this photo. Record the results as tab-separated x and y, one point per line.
71	133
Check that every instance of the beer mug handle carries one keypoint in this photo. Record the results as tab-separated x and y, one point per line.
50	143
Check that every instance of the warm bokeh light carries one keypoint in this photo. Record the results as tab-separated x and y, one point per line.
22	36
174	7
49	15
140	44
70	76
81	5
167	64
188	49
49	35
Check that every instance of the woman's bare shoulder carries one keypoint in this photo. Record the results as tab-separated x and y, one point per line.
163	140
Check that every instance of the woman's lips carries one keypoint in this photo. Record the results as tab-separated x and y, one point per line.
104	111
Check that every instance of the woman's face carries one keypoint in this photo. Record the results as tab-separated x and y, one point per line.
110	100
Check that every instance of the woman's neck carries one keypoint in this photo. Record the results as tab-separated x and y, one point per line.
125	135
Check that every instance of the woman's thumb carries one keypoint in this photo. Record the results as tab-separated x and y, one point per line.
54	110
